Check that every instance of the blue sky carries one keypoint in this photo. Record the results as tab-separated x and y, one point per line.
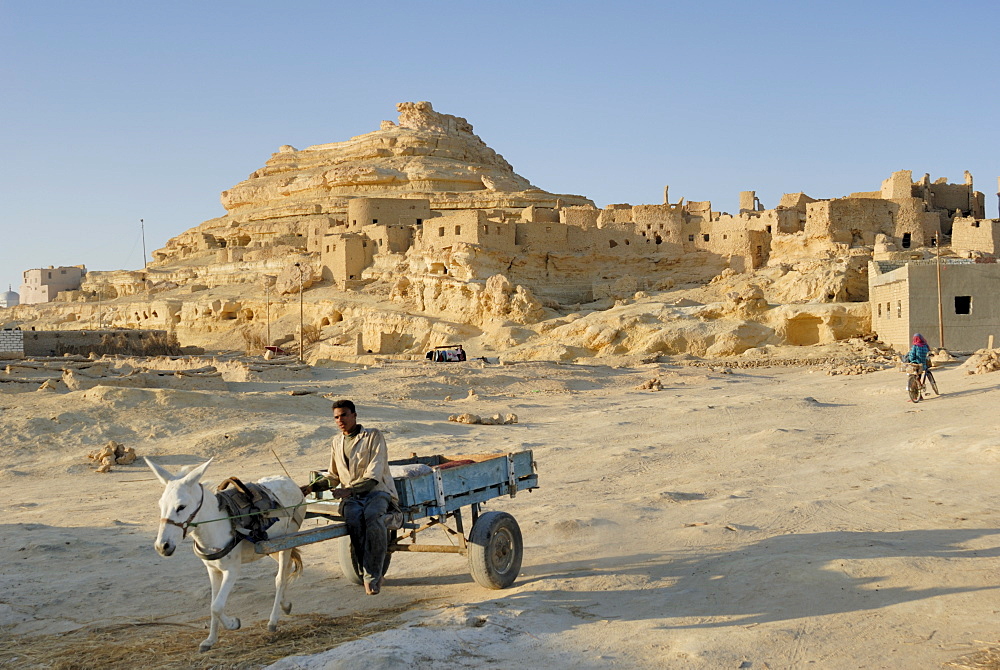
112	112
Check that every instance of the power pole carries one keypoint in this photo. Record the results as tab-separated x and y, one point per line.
302	341
142	228
937	245
267	309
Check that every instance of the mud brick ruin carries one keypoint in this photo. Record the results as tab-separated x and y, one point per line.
418	234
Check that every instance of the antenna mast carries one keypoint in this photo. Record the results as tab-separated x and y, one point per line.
142	227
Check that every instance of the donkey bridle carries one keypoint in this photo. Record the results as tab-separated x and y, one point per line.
184	525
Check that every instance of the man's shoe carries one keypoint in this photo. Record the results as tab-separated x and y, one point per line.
373	588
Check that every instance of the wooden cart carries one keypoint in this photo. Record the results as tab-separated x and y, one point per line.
494	547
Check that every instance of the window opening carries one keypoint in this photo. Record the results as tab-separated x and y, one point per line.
963	304
906	240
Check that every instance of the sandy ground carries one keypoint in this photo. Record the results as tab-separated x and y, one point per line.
771	518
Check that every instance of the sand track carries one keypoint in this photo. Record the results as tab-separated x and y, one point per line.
780	517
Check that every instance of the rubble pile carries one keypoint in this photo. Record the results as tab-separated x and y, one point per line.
853	369
113	453
495	420
982	362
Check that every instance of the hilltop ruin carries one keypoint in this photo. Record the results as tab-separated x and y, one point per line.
419	234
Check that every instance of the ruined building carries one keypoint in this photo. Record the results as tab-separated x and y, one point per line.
431	234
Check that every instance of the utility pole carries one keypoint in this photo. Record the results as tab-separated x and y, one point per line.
267	309
142	228
302	341
937	246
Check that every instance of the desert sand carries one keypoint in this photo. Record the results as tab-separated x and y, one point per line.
765	518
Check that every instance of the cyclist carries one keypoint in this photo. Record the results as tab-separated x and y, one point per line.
918	354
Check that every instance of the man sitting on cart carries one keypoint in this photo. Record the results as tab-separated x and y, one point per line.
359	475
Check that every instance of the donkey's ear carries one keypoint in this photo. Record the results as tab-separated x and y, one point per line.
161	474
196	474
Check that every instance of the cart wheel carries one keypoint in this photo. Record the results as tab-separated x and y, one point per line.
495	550
349	565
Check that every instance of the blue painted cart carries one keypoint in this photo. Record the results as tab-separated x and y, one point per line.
494	547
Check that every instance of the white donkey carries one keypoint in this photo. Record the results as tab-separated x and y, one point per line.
187	507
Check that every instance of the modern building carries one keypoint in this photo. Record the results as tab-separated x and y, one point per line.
42	285
904	301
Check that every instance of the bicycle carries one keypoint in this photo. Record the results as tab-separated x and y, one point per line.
916	385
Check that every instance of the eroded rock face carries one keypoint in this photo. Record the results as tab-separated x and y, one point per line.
427	153
508	274
728	328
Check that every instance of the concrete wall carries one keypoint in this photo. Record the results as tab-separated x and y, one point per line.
888	295
11	344
976	282
904	301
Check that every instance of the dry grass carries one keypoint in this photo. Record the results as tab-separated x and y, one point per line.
984	659
254	339
169	646
311	333
152	344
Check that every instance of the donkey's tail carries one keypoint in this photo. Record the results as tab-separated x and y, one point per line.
296	563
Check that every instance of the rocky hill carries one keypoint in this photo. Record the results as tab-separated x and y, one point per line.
508	269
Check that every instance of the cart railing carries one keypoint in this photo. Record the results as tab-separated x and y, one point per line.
438	494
